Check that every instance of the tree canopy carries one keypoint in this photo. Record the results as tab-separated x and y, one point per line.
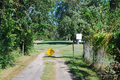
87	17
23	21
20	22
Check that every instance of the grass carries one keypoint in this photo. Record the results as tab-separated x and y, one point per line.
49	71
78	66
81	69
20	64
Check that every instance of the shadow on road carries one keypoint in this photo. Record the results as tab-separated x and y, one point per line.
53	43
77	67
70	57
81	69
57	42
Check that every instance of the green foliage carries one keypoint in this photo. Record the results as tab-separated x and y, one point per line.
113	45
81	70
111	71
7	41
6	60
99	40
21	21
109	40
98	19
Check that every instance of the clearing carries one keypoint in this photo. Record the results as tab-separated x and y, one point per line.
60	66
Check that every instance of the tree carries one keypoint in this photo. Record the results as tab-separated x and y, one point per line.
74	18
20	21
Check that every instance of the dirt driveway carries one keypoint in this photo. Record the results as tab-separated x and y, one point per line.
34	70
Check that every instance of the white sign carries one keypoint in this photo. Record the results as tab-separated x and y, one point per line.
78	36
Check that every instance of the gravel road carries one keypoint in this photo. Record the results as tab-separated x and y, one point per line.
34	70
62	70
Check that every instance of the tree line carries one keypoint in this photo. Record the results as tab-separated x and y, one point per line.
99	22
23	21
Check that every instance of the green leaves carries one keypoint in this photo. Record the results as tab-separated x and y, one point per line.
20	21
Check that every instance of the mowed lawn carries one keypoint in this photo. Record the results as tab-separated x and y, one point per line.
65	50
78	66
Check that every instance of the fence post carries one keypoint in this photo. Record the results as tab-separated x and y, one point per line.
23	48
73	47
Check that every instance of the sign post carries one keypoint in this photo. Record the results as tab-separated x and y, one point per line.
73	47
78	37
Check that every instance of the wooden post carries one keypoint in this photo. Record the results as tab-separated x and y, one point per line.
23	48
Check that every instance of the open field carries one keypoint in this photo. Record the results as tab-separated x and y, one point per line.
20	64
64	51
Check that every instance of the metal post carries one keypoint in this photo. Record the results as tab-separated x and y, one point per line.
78	45
73	48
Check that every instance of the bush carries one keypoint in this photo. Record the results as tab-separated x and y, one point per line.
6	60
114	44
111	44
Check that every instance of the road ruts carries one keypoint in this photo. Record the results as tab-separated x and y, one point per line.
33	71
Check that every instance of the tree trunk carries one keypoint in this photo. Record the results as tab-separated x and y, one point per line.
23	48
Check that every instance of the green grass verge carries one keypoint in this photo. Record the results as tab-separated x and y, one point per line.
49	71
78	66
22	61
81	69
